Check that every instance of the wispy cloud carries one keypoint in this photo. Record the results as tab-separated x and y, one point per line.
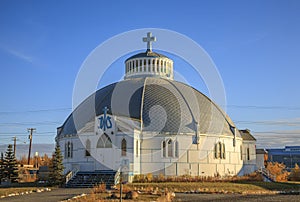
20	55
277	138
270	123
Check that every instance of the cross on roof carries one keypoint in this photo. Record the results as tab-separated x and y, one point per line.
149	40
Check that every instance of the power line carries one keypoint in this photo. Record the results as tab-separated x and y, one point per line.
20	133
279	132
36	111
30	123
264	107
280	123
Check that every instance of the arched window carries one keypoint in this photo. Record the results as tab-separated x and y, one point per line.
241	150
248	154
87	147
163	148
137	148
176	149
123	147
223	152
68	149
170	148
218	150
71	150
104	141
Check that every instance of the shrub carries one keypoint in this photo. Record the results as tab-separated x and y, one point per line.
295	174
100	188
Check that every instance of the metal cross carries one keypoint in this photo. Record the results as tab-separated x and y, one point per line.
149	40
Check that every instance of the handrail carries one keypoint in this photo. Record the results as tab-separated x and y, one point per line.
117	176
267	174
71	174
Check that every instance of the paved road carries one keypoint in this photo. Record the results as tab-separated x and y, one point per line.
235	197
51	196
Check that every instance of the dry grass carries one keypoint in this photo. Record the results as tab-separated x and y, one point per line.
155	191
218	187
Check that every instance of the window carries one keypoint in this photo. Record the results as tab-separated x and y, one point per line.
164	148
69	150
71	156
241	150
87	148
123	147
217	151
248	154
223	151
104	141
66	149
137	148
170	148
220	152
176	149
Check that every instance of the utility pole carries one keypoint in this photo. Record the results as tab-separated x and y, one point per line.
15	144
31	130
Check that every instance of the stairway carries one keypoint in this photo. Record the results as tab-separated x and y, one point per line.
88	179
268	177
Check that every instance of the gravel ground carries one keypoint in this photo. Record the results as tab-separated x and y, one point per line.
52	196
235	197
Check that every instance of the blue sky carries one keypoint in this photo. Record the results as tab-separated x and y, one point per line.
254	44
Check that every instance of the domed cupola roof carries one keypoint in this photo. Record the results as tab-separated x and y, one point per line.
149	63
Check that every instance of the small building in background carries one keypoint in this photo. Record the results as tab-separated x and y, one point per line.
290	155
261	158
248	152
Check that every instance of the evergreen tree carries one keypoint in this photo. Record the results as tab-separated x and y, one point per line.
10	165
56	167
1	167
